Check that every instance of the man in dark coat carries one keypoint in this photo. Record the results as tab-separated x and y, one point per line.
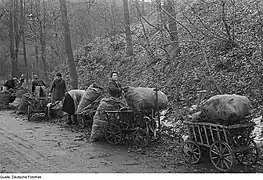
114	86
58	88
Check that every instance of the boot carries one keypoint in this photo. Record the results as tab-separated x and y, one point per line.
75	120
69	120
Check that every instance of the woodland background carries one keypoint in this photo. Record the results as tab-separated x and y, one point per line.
179	46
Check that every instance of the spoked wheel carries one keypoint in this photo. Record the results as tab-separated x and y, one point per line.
113	134
247	153
29	113
191	152
140	138
221	156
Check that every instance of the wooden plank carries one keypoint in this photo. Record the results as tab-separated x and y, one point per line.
225	135
218	133
211	130
194	133
201	137
236	126
206	135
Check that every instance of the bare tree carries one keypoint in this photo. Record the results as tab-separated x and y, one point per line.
129	48
14	35
22	15
173	28
71	64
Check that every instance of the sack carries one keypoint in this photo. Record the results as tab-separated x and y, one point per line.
229	109
23	105
91	94
100	120
15	104
5	99
19	92
91	108
141	98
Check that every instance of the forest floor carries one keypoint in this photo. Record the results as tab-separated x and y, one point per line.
49	147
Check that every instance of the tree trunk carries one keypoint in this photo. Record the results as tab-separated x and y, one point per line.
43	41
22	4
71	63
137	14
113	19
11	46
12	41
173	29
143	8
129	48
37	61
16	34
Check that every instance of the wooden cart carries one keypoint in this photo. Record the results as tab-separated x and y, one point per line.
38	105
225	144
134	128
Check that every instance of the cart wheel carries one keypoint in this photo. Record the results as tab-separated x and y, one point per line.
191	152
221	156
29	113
113	134
248	155
140	138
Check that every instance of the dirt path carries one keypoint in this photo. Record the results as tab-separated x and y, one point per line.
46	147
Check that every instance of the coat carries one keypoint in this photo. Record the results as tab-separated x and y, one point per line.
76	95
58	90
115	89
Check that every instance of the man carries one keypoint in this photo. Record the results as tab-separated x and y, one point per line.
71	102
58	88
114	86
38	87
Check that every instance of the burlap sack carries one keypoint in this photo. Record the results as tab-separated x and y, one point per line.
23	105
141	98
100	118
91	94
229	108
15	104
5	99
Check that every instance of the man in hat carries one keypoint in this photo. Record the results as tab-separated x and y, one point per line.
58	88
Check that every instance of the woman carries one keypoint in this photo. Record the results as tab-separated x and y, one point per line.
38	87
58	88
114	86
71	102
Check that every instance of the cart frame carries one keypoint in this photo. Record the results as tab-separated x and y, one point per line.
225	143
126	126
38	105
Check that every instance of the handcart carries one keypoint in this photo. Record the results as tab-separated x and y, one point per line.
37	105
224	143
134	128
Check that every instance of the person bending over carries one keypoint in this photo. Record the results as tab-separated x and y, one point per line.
70	104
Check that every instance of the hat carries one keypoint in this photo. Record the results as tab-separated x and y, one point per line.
35	76
58	74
